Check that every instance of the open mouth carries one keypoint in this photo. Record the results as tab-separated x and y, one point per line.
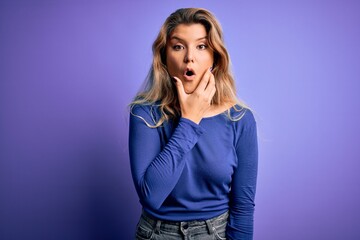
189	73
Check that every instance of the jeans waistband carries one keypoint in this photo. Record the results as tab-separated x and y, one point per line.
184	225
153	220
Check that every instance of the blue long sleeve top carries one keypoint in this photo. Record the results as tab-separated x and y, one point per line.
184	171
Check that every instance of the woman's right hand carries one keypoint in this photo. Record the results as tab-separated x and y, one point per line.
194	105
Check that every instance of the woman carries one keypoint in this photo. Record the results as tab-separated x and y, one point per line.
192	144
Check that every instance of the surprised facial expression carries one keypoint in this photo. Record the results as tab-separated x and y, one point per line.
188	55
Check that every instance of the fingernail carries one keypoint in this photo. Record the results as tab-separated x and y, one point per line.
211	68
173	79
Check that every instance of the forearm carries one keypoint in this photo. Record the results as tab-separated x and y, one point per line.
241	219
155	170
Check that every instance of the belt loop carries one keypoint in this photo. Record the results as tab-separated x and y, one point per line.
210	226
157	228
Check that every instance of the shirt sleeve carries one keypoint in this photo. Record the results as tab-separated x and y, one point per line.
243	187
156	168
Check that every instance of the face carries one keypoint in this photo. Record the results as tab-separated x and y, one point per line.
188	56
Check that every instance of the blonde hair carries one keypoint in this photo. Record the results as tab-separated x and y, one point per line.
159	88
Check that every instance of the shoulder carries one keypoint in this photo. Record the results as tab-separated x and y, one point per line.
146	111
143	108
244	126
242	116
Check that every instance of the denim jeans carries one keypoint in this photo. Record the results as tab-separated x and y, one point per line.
155	229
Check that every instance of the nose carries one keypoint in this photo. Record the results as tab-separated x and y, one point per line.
189	57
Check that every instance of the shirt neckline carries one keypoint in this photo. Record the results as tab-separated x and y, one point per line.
221	113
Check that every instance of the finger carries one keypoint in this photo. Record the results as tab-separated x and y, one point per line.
204	81
212	93
179	87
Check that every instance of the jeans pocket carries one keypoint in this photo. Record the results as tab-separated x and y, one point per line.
144	231
220	231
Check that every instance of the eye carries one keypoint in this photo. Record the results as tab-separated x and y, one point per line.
178	47
202	47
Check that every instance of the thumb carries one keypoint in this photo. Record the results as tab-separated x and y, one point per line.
179	87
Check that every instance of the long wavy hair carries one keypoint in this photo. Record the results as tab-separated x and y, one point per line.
159	88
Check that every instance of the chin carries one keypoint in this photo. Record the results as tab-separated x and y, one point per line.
189	91
190	87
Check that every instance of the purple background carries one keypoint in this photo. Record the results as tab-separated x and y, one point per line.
68	69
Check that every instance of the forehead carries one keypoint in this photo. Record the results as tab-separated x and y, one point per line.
189	32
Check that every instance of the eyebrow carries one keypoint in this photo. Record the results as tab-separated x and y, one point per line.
180	39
